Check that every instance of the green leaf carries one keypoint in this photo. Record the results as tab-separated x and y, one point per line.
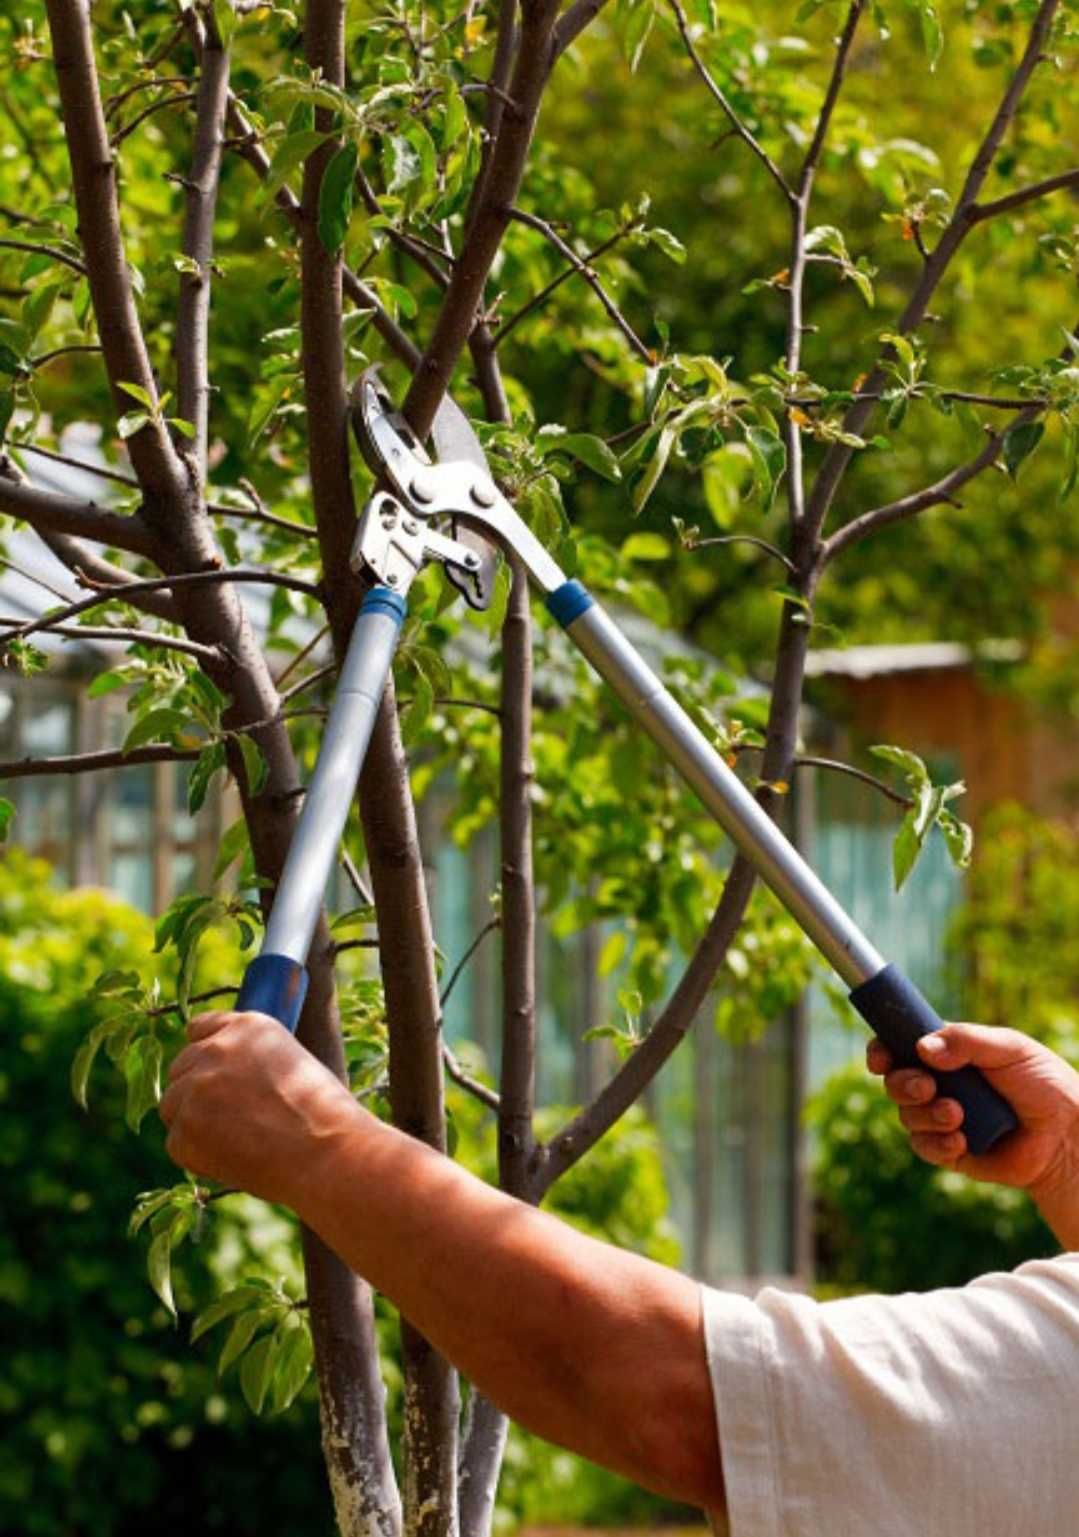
10	361
224	20
37	306
614	948
420	707
84	1061
1020	442
335	196
137	392
589	450
234	841
400	162
208	763
769	457
148	1205
255	766
455	117
240	1336
288	157
959	837
158	725
909	762
159	1268
669	244
294	1361
7	411
256	1369
132	422
142	1069
105	683
224	1307
905	850
185	428
658	463
646	546
7	813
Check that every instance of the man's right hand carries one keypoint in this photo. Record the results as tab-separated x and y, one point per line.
1042	1156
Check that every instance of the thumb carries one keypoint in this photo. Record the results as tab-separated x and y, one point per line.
957	1045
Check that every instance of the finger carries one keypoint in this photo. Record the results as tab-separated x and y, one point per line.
944	1150
169	1105
956	1045
205	1025
184	1061
943	1115
878	1058
910	1086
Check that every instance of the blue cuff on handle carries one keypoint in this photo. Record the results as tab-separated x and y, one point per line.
274	985
383	600
569	602
896	1010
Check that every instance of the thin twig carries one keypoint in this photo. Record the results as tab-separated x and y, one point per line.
737	126
761	544
107	632
36	248
176	100
158	584
301	656
545	293
979	212
834	765
158	82
30	576
489	926
91	762
472	1085
581	266
59	352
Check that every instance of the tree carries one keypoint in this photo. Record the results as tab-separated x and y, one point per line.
408	134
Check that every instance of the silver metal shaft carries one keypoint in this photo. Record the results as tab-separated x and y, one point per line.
776	860
315	843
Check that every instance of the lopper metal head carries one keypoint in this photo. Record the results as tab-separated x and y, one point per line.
395	534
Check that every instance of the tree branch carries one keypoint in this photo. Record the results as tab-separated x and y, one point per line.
105	632
720	96
178	99
173	583
760	544
93	175
488	928
52	511
942	490
92	762
200	191
478	1091
573	21
836	767
52	252
979	212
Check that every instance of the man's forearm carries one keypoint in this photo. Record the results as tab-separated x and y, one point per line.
595	1349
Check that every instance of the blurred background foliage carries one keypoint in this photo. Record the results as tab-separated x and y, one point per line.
108	1413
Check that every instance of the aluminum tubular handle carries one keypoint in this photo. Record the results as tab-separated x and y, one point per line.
889	1003
275	983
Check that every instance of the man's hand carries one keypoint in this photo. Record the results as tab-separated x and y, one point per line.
247	1105
1042	1156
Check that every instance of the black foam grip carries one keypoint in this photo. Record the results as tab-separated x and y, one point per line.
900	1016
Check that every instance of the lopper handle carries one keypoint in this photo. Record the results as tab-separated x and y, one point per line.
276	980
897	1012
881	994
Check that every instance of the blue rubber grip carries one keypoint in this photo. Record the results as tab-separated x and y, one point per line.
274	985
569	602
900	1016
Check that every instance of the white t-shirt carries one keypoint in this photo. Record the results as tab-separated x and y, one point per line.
948	1414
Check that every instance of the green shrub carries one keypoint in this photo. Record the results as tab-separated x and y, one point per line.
888	1222
111	1420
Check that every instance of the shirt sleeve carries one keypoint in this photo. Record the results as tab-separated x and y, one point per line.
952	1411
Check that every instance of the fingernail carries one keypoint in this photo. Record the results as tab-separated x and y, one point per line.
918	1083
933	1044
942	1114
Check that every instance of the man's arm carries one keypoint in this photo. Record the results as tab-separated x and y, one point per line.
593	1348
1041	1157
